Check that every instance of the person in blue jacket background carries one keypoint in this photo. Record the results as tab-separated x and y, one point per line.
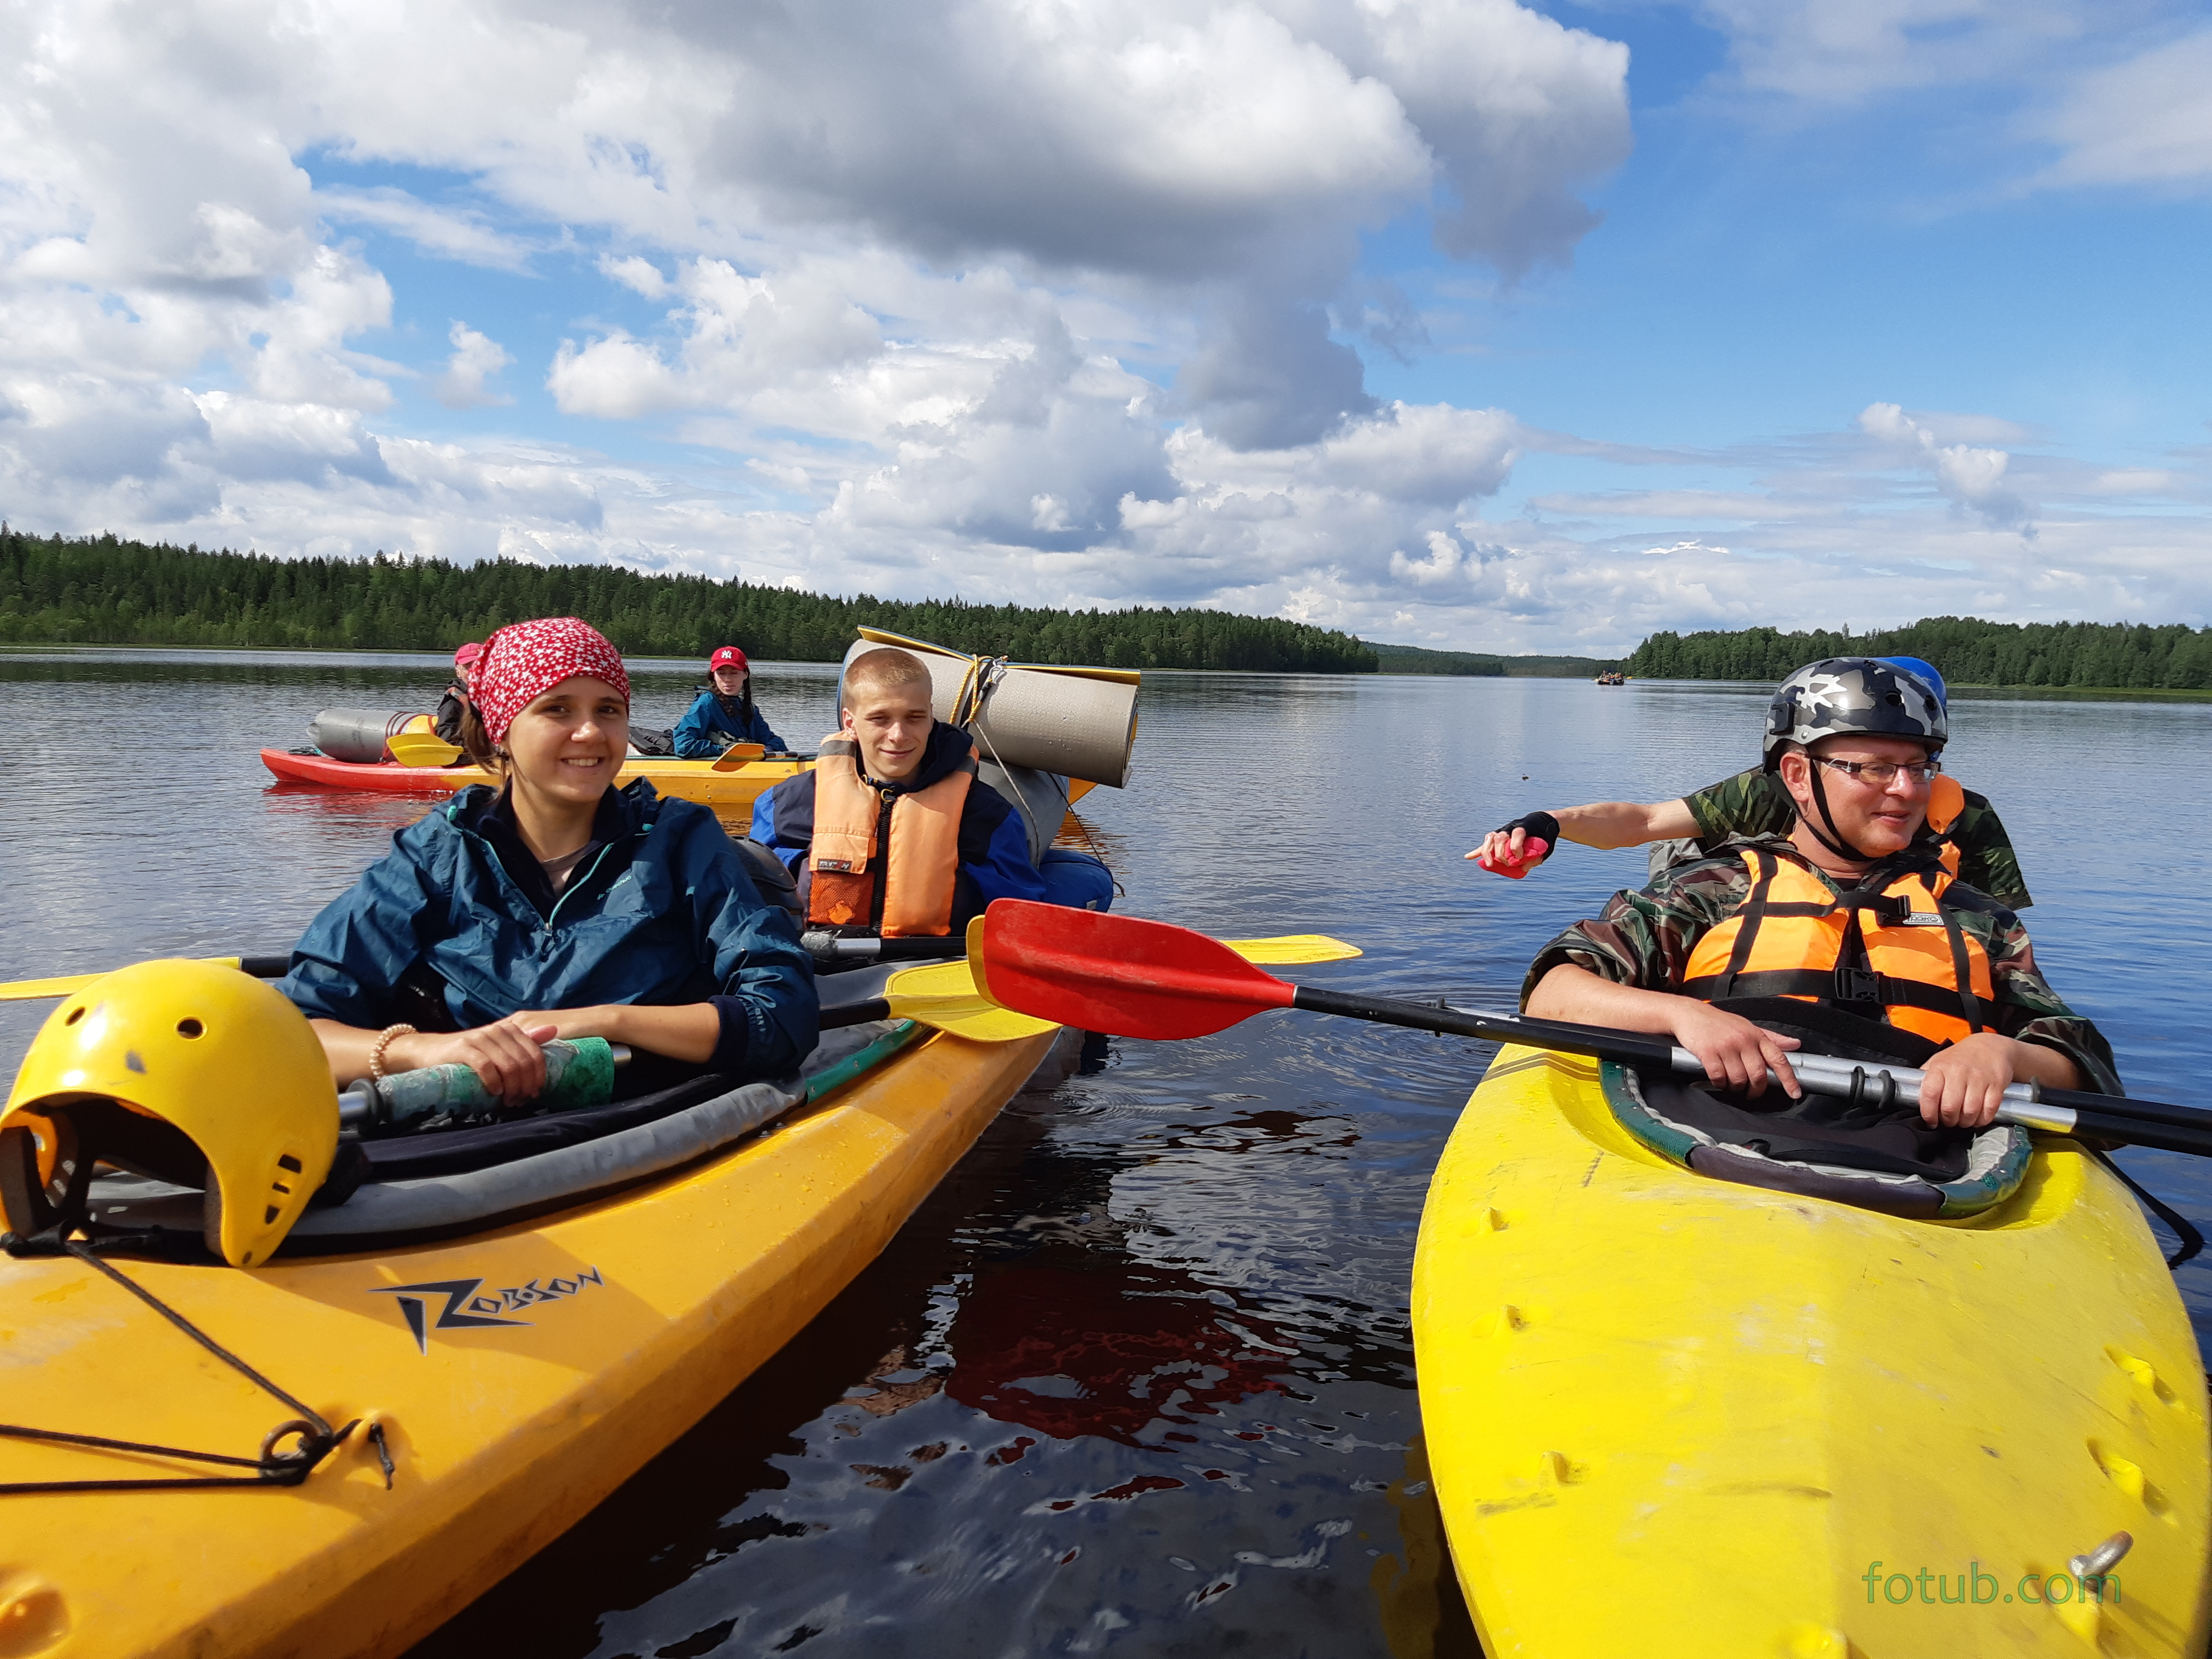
725	714
555	905
889	738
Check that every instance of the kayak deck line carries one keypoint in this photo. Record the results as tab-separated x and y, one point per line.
1673	1415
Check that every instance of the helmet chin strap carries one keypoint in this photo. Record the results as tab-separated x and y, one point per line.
1834	840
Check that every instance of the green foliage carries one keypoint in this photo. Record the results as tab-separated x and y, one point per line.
2121	656
103	591
1417	659
1560	668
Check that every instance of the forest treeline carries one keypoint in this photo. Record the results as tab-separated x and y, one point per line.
104	591
1418	659
2121	656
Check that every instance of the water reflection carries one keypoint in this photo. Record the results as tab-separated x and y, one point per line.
1076	1440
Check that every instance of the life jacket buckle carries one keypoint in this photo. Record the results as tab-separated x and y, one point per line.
1858	985
1889	909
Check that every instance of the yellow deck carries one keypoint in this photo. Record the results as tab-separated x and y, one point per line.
504	1436
1668	1415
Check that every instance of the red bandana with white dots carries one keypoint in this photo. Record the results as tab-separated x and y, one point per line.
523	662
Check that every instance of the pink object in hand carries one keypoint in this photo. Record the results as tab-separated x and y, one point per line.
1532	854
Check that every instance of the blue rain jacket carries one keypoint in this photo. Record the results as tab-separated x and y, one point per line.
994	847
710	726
663	913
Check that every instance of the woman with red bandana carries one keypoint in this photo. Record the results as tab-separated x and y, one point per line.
555	904
446	722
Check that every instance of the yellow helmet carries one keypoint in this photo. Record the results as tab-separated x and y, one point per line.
188	1071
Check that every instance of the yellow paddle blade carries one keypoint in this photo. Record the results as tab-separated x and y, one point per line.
27	990
978	970
737	754
1288	949
422	748
944	994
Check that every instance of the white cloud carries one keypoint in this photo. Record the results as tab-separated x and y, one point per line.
443	232
1027	298
2146	120
1972	478
1827	53
475	359
641	276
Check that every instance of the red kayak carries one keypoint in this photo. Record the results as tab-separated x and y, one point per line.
387	776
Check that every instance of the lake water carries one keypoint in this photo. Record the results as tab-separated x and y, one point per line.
1139	1378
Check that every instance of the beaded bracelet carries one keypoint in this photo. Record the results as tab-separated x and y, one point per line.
383	1042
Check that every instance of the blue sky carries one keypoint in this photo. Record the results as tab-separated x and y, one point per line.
1455	322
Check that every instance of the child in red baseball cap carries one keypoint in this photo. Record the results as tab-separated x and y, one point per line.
725	714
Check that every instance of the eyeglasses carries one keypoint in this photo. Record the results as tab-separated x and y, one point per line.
1883	773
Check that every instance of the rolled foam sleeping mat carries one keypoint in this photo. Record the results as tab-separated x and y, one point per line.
356	734
1066	723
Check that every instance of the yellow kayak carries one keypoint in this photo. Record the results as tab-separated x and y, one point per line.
1668	1415
517	1376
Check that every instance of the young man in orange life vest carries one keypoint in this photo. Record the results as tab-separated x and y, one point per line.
1848	932
952	845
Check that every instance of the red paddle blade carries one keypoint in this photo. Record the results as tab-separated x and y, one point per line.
1120	975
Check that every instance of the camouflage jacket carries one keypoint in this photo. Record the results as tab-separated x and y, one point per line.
1644	938
1754	803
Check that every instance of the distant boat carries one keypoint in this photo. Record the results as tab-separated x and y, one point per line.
1612	677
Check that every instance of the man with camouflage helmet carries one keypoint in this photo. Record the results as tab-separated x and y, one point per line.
1854	912
1752	802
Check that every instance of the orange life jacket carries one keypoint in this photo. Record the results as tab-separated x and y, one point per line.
1946	800
1795	936
923	861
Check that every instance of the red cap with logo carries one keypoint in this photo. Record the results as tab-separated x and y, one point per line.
468	654
729	657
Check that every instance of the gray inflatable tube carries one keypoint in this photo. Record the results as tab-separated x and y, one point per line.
354	735
385	1214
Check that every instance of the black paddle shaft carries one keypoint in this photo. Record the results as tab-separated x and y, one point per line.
855	1013
2139	1132
2103	1117
918	948
1592	1040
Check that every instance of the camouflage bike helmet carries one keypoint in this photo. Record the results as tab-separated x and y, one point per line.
1857	696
